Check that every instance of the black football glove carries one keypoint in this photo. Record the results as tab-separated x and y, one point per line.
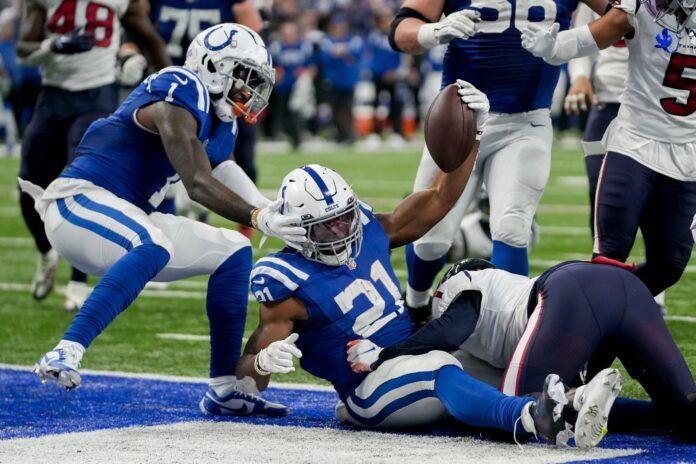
77	41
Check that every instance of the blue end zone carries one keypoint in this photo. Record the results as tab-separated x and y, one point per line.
29	409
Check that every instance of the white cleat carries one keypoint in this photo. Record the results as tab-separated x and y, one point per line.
593	403
45	274
76	293
60	365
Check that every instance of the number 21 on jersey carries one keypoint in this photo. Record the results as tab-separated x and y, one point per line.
372	319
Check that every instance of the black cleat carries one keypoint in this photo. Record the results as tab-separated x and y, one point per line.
547	413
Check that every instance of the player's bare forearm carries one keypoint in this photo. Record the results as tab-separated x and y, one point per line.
611	27
419	212
178	130
276	322
141	29
246	14
31	29
598	6
406	33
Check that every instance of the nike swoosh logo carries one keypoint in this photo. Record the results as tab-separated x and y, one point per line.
259	281
182	82
536	125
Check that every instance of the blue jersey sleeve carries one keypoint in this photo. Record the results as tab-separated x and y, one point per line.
274	278
221	143
181	87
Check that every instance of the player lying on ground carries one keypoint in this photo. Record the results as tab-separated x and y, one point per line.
340	285
520	330
179	123
648	179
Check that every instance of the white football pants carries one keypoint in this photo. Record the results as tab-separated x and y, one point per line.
514	162
94	228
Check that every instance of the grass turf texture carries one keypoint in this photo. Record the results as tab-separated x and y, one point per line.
29	328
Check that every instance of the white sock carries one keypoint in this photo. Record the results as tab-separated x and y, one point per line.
223	385
416	298
527	419
74	346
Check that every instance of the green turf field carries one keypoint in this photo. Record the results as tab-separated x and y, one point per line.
140	339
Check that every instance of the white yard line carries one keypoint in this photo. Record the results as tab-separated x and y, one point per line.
173	378
691	319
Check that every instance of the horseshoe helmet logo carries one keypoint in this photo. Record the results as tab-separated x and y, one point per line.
218	47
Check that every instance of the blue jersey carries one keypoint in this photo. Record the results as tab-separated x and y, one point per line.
289	60
380	56
343	304
118	154
494	60
180	21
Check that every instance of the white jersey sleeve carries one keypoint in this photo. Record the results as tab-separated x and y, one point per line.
96	67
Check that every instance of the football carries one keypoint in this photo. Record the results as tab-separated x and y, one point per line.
450	129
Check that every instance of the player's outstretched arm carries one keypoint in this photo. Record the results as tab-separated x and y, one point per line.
143	32
178	130
271	348
419	212
418	26
558	48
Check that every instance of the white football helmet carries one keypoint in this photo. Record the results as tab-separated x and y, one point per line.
236	68
329	211
674	15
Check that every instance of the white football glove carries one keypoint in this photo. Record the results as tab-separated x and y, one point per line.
458	25
271	222
477	101
132	69
361	355
278	356
540	41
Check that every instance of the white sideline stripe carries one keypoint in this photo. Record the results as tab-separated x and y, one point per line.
681	318
16	242
214	441
174	378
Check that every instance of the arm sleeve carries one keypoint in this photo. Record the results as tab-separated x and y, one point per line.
581	66
445	333
234	178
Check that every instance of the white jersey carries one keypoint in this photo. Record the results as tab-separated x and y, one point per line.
659	102
503	314
96	67
608	72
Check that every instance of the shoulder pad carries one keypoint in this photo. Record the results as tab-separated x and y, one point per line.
450	290
274	278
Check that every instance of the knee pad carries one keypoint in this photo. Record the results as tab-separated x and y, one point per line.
430	251
512	229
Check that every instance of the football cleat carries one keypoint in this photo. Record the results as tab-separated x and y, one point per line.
593	403
76	294
236	403
419	315
44	277
547	413
60	365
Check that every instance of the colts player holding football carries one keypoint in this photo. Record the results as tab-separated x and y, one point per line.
178	124
648	178
75	44
515	158
339	285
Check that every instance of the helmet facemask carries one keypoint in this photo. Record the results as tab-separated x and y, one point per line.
334	239
674	15
245	91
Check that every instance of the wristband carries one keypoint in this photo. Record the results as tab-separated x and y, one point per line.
254	217
259	370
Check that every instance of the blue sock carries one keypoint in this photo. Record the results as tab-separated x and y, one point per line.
422	273
476	403
226	304
116	291
510	258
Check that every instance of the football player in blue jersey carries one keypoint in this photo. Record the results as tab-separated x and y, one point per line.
340	284
178	124
483	47
178	22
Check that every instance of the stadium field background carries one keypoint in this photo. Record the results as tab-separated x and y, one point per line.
166	331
